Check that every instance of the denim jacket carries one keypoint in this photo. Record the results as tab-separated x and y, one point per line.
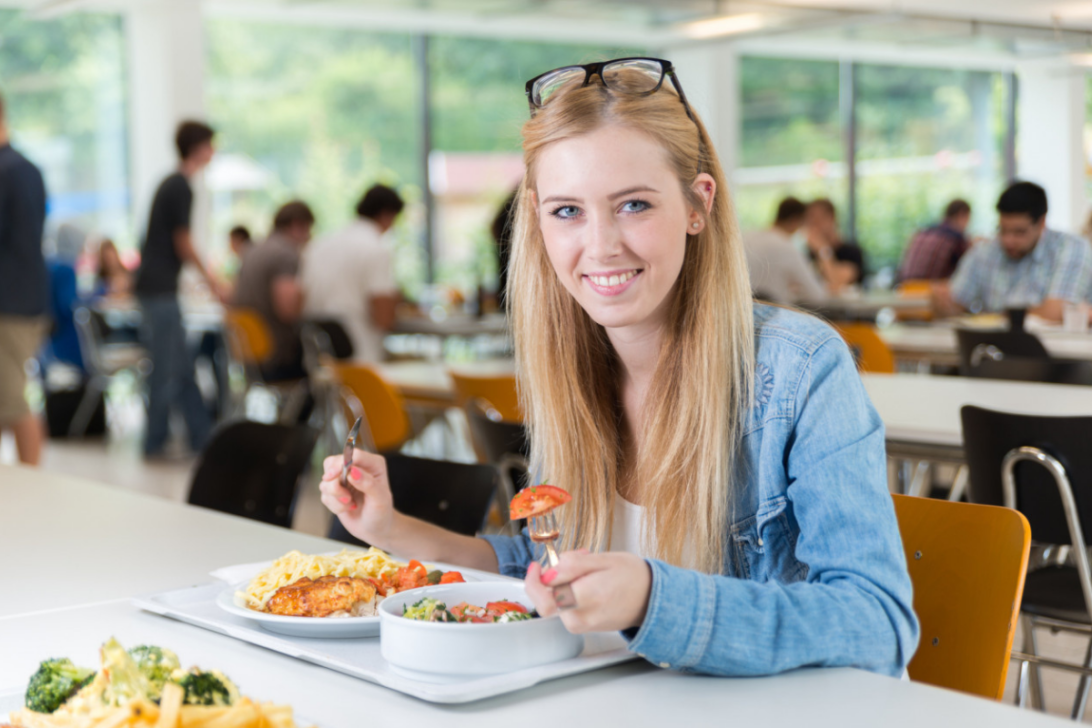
814	570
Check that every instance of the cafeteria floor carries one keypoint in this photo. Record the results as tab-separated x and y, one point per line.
117	461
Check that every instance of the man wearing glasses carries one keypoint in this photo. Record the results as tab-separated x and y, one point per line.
1027	267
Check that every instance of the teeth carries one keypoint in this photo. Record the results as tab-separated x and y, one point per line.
615	280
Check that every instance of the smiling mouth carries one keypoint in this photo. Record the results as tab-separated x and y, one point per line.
615	279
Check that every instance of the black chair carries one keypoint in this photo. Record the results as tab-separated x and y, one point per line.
505	445
455	496
1041	466
1002	355
341	346
252	469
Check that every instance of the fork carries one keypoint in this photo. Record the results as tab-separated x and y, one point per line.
543	529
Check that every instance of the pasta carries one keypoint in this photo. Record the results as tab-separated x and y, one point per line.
294	565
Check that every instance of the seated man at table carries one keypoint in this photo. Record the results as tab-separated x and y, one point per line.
840	262
779	272
934	252
347	276
269	283
1028	266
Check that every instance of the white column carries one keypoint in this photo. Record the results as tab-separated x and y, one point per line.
709	74
166	85
1049	137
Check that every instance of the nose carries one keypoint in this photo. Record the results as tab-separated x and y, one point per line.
604	239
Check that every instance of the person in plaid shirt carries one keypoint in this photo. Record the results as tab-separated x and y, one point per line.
1027	266
934	252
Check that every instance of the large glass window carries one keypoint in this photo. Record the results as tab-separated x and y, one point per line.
315	113
63	82
478	107
791	136
924	137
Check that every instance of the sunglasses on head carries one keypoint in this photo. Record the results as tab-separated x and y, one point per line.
638	76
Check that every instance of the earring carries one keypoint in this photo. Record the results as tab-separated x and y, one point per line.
695	225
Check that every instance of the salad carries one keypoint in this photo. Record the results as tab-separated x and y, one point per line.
428	609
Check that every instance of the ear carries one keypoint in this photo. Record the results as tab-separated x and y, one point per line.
705	187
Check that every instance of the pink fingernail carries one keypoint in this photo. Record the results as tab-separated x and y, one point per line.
356	473
352	506
549	575
346	499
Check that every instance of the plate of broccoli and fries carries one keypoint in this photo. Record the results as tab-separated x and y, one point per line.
143	687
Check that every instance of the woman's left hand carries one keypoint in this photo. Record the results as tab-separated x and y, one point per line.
611	590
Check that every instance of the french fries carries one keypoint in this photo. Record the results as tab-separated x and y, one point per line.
170	713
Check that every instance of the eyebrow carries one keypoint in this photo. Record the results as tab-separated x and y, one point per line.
614	196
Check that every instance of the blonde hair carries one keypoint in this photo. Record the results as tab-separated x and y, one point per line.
568	371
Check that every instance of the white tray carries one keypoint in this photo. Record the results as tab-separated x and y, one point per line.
361	657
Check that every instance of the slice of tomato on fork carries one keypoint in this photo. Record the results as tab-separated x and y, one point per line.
535	500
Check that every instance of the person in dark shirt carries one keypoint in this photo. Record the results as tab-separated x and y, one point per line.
64	342
840	262
168	244
24	290
933	253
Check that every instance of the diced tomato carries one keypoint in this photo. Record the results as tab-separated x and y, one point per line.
482	620
452	577
502	607
536	500
459	611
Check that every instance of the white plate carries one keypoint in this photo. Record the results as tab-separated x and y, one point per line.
315	627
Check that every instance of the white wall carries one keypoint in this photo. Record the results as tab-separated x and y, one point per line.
166	85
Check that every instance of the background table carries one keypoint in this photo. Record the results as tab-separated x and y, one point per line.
430	382
70	544
936	343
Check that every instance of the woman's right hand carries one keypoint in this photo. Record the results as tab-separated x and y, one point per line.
366	507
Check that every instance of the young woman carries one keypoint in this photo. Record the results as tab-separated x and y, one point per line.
727	469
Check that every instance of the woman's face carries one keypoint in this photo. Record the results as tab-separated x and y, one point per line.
615	221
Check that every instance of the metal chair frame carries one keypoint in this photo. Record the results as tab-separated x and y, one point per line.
91	349
1031	677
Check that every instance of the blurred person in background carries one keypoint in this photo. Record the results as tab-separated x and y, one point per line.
934	252
168	244
240	241
840	262
64	344
24	290
348	275
1027	266
779	271
269	284
112	278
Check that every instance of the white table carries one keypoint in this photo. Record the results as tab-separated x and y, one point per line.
431	381
924	409
868	305
936	343
76	551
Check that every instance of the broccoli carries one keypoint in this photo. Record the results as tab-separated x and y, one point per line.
126	680
157	664
207	688
56	681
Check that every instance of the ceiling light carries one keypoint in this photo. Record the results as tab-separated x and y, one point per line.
724	25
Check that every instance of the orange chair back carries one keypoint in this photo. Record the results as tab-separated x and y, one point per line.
916	288
383	405
248	336
872	354
499	391
967	563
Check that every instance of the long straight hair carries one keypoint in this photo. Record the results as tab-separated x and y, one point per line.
568	372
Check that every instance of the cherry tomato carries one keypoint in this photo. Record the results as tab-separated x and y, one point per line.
452	577
536	500
415	565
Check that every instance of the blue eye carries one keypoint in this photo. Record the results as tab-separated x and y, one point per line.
566	212
635	206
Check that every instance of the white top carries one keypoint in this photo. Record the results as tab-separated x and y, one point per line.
627	527
778	270
340	272
925	409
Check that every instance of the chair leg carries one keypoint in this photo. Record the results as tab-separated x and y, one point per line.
1022	685
86	409
1081	701
1035	681
919	485
959	484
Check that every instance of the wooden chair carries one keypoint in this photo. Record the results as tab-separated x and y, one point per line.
383	406
967	563
872	354
249	340
915	288
498	391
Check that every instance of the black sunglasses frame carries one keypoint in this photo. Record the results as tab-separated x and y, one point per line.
596	69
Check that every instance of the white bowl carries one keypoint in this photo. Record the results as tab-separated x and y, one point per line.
442	651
